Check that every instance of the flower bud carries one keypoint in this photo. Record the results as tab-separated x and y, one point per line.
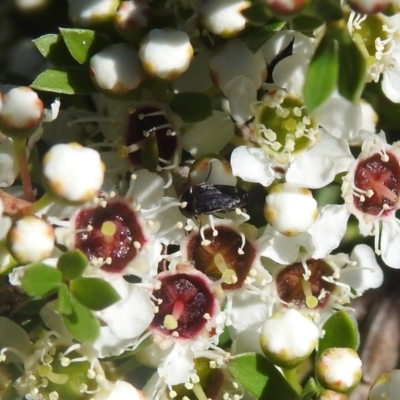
31	239
72	172
116	69
223	17
386	386
288	338
166	53
369	6
339	369
285	7
21	112
92	13
289	209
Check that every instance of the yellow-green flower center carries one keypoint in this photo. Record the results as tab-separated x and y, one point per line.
283	128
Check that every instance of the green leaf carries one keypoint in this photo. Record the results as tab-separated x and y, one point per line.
310	390
81	323
322	74
150	153
260	377
94	293
40	280
257	14
83	43
53	47
328	10
72	264
192	106
340	331
64	304
68	80
352	69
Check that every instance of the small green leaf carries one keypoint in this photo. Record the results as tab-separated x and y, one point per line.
260	377
81	323
340	331
352	69
72	264
67	80
64	305
192	106
150	153
306	23
83	43
53	47
322	74
40	280
310	390
94	293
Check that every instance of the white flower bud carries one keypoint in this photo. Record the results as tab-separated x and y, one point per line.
31	239
285	6
288	338
166	53
117	69
92	12
21	113
72	172
339	369
224	17
369	6
386	386
289	209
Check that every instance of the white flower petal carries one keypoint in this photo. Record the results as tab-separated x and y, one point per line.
367	274
123	317
341	118
12	335
284	249
178	366
390	242
252	165
241	93
124	390
248	312
210	135
290	72
328	229
318	167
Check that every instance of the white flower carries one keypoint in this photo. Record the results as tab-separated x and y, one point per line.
372	194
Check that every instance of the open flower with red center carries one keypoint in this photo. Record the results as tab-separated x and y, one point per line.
113	237
188	317
317	287
371	191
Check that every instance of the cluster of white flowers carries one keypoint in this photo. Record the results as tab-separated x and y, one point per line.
166	206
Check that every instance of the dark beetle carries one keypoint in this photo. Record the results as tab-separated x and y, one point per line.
210	199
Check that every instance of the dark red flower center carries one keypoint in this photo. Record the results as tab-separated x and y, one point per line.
382	179
146	121
221	255
116	236
185	302
295	290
